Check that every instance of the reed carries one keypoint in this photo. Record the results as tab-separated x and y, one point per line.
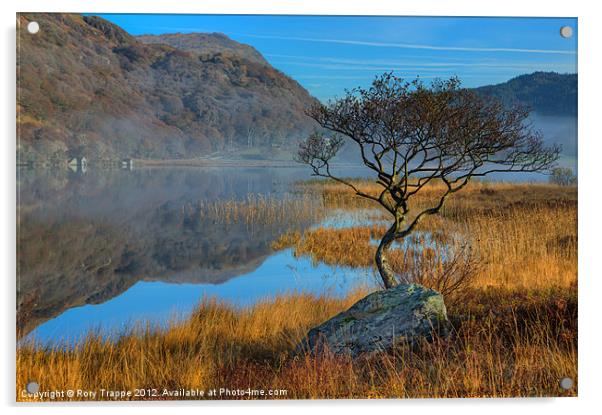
258	209
524	235
514	330
502	345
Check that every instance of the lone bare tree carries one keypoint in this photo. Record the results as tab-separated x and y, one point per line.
411	134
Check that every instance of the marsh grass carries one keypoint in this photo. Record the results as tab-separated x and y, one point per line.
524	235
259	210
514	330
502	345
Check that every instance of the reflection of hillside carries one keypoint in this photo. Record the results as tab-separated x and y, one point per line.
88	240
119	194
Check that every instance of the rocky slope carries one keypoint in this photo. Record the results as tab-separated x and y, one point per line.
86	87
206	45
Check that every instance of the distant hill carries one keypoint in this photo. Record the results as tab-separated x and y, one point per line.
546	93
86	87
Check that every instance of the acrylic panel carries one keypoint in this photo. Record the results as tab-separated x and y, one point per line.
295	207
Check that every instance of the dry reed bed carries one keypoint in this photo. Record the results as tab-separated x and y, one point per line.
524	235
502	345
515	330
259	209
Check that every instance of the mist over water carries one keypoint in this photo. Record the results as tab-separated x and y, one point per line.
556	130
86	240
561	131
111	246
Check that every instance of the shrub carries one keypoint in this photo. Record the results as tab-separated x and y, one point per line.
563	176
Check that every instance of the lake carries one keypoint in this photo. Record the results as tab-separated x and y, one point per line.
105	251
108	250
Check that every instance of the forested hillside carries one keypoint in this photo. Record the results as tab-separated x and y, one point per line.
88	88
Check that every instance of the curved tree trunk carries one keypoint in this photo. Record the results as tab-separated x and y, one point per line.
382	262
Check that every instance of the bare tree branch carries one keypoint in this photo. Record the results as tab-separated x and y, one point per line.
410	135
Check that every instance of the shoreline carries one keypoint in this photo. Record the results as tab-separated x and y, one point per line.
203	163
213	163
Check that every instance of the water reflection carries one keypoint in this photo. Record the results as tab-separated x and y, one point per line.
109	247
160	302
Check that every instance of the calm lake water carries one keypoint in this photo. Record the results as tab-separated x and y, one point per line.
104	251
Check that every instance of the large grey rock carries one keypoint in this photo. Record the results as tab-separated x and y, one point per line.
380	320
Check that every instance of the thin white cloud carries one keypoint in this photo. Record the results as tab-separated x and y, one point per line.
386	62
406	74
329	77
415	67
410	45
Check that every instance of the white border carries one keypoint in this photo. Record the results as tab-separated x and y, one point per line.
336	7
590	157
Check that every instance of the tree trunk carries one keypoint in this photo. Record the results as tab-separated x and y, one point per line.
382	263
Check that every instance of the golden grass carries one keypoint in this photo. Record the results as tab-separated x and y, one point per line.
502	346
258	209
515	332
525	235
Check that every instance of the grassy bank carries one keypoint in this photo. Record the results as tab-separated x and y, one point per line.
519	235
514	315
503	345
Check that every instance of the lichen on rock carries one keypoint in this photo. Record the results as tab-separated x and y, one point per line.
405	313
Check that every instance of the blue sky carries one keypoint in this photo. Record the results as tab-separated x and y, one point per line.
328	54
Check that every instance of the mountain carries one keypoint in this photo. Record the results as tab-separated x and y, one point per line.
546	93
552	98
206	44
85	87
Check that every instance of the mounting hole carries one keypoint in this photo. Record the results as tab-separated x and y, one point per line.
32	387
33	27
566	31
566	383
